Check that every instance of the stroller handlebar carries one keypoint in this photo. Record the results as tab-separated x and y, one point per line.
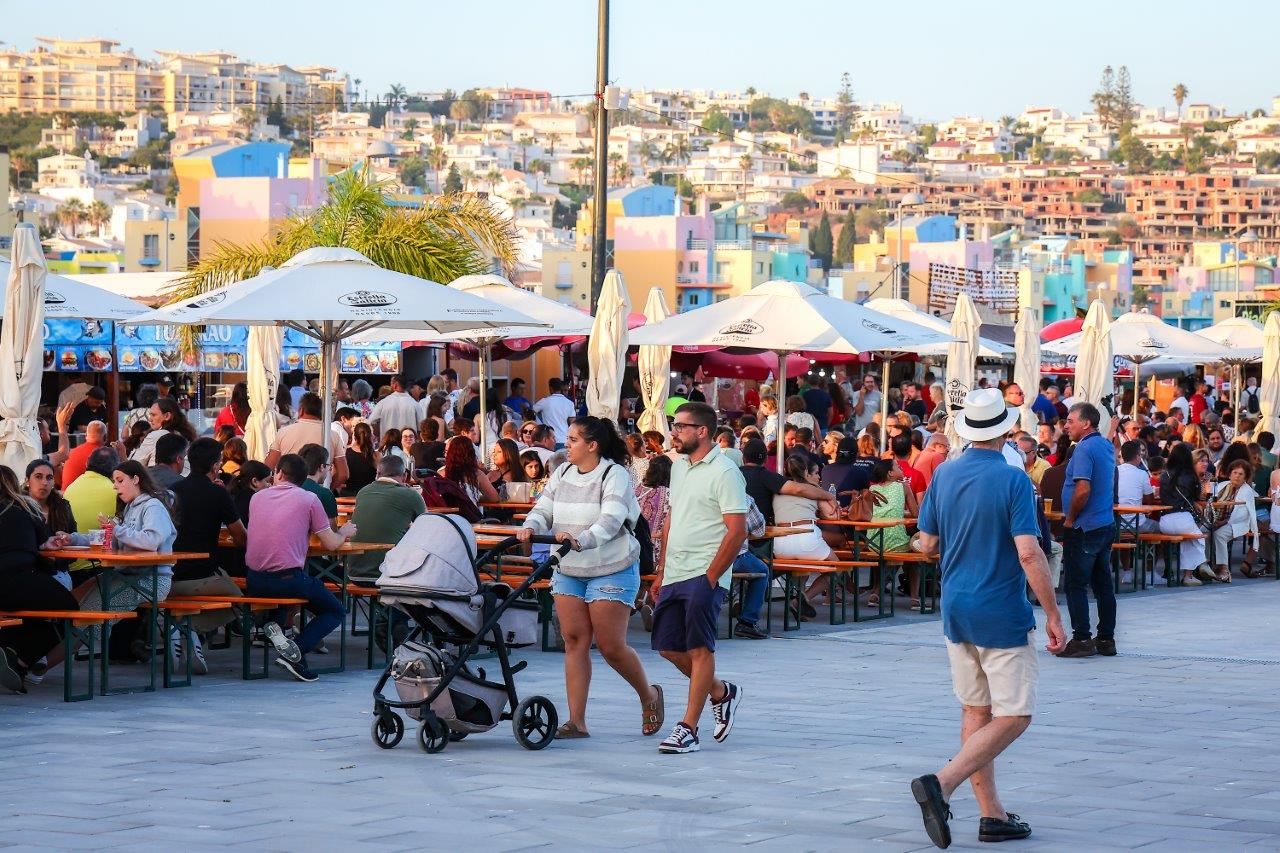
559	549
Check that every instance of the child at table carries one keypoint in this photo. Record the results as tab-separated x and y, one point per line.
535	472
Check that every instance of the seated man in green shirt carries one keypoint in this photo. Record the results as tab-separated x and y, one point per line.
318	467
384	510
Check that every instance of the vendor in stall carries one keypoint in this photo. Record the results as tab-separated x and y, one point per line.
92	408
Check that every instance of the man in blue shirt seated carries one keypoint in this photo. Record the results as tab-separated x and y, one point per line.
979	514
1088	530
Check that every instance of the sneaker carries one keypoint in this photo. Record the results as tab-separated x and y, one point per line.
681	740
1192	581
933	809
284	646
1012	828
37	670
321	648
724	709
298	669
646	617
11	675
199	665
749	631
1106	648
1079	649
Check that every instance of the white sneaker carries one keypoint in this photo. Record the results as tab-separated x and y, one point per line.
681	740
199	665
284	647
723	711
1192	581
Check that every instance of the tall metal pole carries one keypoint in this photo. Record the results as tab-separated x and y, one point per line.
600	200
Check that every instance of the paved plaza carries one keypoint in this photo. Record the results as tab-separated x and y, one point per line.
1174	745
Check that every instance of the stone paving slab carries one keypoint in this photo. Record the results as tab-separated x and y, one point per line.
1173	745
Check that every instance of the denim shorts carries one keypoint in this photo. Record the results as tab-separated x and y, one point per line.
621	586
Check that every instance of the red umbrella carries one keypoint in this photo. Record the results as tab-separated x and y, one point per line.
730	365
1061	328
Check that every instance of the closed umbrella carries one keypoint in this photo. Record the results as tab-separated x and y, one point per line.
655	371
1026	366
22	351
263	375
1241	339
1269	394
961	355
784	317
1094	364
607	349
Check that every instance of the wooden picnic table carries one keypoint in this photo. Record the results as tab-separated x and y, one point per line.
505	530
1138	509
122	559
520	505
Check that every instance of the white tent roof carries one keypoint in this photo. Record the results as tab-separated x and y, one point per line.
67	298
1142	337
905	310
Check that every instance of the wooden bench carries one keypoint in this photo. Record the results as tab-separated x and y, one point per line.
244	607
927	588
10	623
793	572
176	614
1173	568
70	625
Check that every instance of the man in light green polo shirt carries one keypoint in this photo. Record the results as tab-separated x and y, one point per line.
707	527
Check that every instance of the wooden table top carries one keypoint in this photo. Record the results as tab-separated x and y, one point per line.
525	505
123	558
315	549
490	531
1140	509
874	524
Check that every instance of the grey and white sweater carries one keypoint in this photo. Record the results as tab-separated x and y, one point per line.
592	508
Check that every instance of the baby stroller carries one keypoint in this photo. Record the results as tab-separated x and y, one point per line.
433	577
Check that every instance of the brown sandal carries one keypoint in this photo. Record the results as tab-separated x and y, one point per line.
570	731
655	713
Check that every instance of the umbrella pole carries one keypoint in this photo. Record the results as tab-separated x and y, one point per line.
1137	384
484	356
782	395
328	343
884	404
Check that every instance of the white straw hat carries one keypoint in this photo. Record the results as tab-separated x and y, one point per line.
985	415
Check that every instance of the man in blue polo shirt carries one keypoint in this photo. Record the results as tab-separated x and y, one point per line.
979	515
1088	530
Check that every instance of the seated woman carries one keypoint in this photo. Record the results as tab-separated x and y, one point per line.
899	502
798	417
26	583
462	467
391	444
428	451
791	511
58	515
535	472
234	454
362	461
1241	520
146	524
1182	488
254	476
505	457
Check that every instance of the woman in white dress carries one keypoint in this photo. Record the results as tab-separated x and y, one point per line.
790	511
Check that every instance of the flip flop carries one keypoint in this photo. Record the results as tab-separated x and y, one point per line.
570	731
655	713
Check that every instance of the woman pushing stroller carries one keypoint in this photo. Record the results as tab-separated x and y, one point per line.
590	503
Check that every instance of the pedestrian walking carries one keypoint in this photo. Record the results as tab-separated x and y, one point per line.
706	529
990	549
1088	531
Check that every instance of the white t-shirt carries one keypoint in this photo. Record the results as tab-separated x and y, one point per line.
1132	485
397	410
869	410
556	410
1182	404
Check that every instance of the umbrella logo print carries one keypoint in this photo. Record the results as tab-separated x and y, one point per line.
1152	343
367	299
53	297
211	299
746	327
876	327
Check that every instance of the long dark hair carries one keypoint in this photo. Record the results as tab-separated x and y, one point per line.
177	419
658	473
798	466
512	466
137	433
1179	462
146	485
1236	451
60	516
390	439
240	402
362	442
605	434
251	470
11	493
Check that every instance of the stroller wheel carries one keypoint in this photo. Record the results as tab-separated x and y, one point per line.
534	722
433	736
388	729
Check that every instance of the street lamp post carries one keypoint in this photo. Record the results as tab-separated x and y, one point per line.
1248	236
909	200
1237	372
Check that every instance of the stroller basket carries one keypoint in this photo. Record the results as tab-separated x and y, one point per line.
469	704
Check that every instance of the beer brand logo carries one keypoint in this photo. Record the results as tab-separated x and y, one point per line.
367	299
210	299
53	297
1152	343
876	327
956	392
746	327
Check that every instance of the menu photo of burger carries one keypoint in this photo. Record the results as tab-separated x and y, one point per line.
350	362
69	360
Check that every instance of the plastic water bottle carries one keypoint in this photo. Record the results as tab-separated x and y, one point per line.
832	489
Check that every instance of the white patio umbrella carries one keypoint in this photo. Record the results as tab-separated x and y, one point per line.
961	356
905	310
784	317
1269	395
1139	337
1241	339
654	363
556	319
1094	363
263	375
22	351
607	348
1026	365
67	299
331	294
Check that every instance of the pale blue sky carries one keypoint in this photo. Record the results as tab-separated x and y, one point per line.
936	58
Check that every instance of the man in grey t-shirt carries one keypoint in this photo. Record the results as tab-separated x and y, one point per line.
865	403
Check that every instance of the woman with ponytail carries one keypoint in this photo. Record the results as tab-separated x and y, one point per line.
589	502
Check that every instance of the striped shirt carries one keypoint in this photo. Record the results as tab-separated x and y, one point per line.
592	508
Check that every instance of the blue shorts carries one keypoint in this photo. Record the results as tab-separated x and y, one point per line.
686	615
621	586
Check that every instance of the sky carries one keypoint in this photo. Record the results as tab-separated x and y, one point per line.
937	59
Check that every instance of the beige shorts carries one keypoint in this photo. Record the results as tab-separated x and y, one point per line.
1005	679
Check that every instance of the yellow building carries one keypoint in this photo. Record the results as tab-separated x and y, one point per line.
7	218
566	276
153	245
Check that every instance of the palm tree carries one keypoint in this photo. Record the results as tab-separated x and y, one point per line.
71	213
438	159
395	95
580	165
247	119
679	150
98	214
410	127
618	165
1179	96
443	238
552	139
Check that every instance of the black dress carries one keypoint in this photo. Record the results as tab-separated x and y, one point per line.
360	473
26	583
